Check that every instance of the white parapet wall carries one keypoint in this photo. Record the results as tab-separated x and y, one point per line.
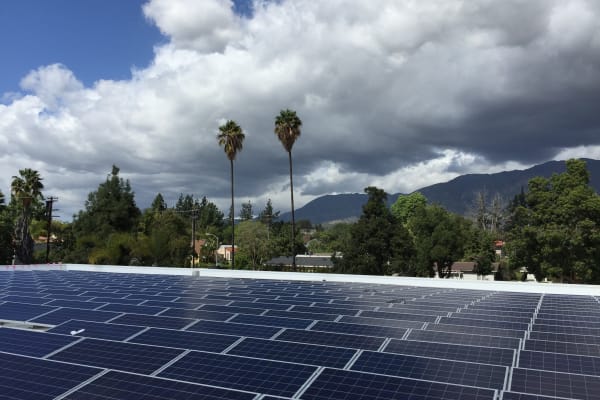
511	286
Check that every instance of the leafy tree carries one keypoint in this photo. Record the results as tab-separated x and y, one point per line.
287	129
27	194
253	242
556	233
480	249
231	137
158	204
6	233
407	205
268	215
246	211
209	215
370	248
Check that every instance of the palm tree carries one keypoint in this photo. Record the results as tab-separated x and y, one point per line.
287	129
231	137
26	189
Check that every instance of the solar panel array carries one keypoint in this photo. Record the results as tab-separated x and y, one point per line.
135	336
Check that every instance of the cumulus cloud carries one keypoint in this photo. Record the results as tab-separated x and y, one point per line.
396	94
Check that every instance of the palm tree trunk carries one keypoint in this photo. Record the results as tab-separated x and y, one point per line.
293	216
232	221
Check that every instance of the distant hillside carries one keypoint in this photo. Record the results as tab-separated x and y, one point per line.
456	195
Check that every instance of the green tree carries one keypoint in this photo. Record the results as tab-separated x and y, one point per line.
246	213
6	232
231	137
370	249
253	242
407	205
287	129
26	192
158	204
556	232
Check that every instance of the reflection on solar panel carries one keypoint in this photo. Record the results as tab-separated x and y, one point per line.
271	377
198	337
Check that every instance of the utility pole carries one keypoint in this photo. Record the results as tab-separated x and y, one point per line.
49	203
194	218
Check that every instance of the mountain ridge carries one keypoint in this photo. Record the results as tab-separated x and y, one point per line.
456	195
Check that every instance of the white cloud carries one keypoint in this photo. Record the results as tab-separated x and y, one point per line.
395	94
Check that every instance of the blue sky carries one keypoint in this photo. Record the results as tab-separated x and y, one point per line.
394	94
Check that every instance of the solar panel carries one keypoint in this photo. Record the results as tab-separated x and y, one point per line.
400	316
22	312
132	309
30	343
393	323
359	329
65	314
464	338
121	356
340	384
198	314
301	315
476	354
331	339
227	328
27	299
456	372
486	323
88	305
475	330
116	385
33	378
565	337
573	364
571	386
581	349
185	339
270	377
272	321
326	310
230	309
523	396
152	320
335	357
263	305
98	330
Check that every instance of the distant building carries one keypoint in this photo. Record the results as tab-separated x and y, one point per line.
225	251
466	270
303	262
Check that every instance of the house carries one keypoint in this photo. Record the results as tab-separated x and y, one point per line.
224	251
466	270
314	262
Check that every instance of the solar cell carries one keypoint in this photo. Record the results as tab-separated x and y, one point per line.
393	323
547	383
270	377
521	326
132	309
31	343
581	349
185	340
456	372
475	330
198	314
27	299
301	315
98	330
230	309
568	329
33	378
327	356
399	316
523	396
116	385
88	305
565	337
227	328
262	305
340	384
476	354
121	356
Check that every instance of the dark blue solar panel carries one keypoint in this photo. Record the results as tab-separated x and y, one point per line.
581	349
301	315
132	309
88	305
230	309
27	299
169	304
476	354
129	357
340	384
522	396
359	329
22	312
186	340
395	315
33	378
484	323
30	343
326	310
566	329
476	330
565	337
151	320
332	339
123	386
464	338
272	321
548	383
65	314
227	328
572	364
335	357
271	377
198	314
263	305
457	372
394	323
98	330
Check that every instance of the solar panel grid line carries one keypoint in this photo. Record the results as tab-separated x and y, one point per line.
128	339
169	363
232	345
232	317
309	381
115	317
386	342
82	384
